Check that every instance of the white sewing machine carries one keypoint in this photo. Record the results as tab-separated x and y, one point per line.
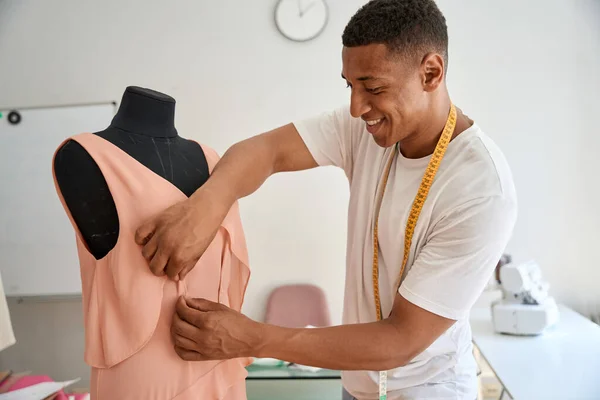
525	307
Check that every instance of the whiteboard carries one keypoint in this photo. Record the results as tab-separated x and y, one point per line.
38	254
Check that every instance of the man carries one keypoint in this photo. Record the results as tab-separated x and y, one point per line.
394	63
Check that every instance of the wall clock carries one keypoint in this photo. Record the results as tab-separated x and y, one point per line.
301	20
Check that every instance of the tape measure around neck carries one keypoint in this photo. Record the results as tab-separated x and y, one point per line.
417	206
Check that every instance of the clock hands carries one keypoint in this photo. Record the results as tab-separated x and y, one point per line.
303	11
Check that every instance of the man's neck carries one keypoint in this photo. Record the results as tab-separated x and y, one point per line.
422	143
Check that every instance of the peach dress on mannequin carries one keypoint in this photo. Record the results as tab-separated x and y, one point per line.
128	311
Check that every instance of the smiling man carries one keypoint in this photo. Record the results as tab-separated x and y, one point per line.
423	176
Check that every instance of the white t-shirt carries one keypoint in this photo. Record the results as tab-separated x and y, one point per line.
460	235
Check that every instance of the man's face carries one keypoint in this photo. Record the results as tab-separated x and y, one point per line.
386	92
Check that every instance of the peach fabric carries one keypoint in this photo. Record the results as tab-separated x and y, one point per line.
128	311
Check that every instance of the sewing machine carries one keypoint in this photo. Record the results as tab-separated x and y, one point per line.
525	307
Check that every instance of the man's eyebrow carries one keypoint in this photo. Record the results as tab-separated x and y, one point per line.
362	78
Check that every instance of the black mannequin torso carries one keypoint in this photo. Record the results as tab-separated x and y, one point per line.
143	128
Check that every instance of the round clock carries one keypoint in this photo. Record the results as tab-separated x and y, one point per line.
301	20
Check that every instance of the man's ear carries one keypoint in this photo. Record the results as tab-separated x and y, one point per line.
432	71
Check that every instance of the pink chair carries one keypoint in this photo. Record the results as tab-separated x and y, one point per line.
296	306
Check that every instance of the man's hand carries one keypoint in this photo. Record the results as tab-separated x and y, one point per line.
174	240
204	330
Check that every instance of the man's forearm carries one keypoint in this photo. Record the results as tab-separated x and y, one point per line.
246	165
371	347
242	170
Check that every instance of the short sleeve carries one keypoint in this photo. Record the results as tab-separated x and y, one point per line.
461	253
329	137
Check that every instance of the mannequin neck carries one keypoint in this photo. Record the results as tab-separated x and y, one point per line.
146	112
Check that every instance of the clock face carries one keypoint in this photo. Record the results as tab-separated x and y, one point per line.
301	20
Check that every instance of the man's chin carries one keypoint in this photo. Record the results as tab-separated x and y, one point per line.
384	141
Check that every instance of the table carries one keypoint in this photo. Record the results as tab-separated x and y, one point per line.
282	382
562	363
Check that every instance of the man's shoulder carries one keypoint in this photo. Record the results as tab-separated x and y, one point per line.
478	168
333	137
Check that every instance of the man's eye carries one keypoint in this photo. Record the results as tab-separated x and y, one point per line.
348	85
374	90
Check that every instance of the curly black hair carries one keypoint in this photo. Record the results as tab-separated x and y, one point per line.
407	27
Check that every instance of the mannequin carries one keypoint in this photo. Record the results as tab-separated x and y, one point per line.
109	182
144	128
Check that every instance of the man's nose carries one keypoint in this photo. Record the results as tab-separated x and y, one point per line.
358	104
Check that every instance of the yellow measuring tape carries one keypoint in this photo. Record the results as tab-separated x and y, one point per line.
432	168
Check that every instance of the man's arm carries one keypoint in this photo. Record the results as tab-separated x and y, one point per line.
174	240
376	346
203	330
246	165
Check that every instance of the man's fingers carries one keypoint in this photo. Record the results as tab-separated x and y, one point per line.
158	263
184	343
144	233
184	271
181	328
188	355
180	306
188	314
149	248
171	269
202	304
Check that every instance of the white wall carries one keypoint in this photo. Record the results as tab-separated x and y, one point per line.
232	75
526	71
